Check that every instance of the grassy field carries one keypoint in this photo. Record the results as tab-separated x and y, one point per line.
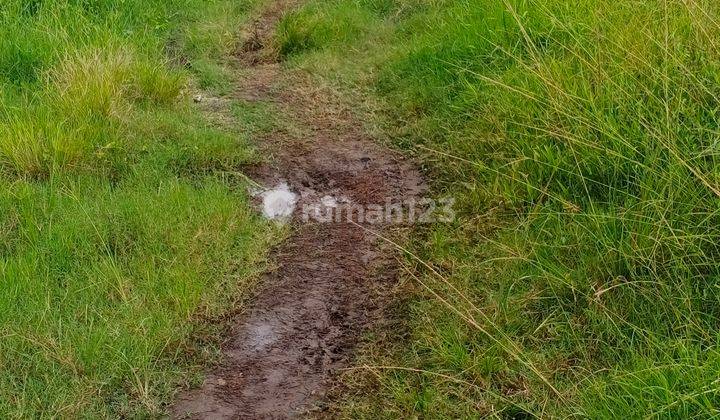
582	277
122	225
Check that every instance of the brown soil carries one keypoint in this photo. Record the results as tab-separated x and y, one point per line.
332	280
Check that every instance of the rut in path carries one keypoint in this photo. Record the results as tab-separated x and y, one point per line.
283	353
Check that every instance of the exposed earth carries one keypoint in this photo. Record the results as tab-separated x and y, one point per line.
332	279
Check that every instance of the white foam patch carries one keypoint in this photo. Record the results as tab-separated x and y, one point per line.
279	202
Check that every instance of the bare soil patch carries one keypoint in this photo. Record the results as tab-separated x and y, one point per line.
332	279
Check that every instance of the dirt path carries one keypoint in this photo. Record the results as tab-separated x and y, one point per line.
332	278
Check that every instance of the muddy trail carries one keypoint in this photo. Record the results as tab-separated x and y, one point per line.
332	279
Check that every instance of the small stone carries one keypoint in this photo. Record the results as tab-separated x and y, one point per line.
221	382
197	99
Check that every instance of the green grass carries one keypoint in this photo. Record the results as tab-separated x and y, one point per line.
580	139
124	228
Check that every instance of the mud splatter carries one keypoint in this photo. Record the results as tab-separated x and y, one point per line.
330	285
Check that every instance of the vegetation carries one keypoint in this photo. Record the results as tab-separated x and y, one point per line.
581	141
122	226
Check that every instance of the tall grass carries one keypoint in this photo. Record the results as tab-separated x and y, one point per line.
83	66
581	142
120	231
